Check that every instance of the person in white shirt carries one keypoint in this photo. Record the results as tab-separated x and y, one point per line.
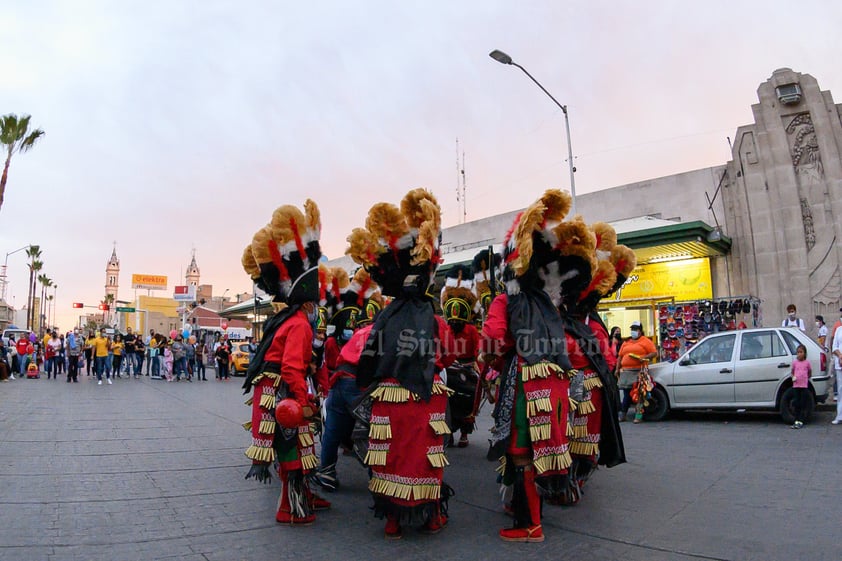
821	328
836	353
791	320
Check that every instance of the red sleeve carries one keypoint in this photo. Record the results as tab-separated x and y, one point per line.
297	341
351	351
604	345
496	339
331	353
445	354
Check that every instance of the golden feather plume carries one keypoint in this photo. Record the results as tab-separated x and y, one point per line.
414	209
363	247
576	239
557	204
530	221
386	222
428	229
282	222
604	278
314	217
249	264
260	245
623	259
606	236
340	277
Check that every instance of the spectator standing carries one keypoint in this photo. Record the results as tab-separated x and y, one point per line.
13	360
632	354
792	320
100	353
836	353
117	348
801	372
179	354
149	347
129	352
616	339
200	361
190	350
154	350
139	353
89	349
74	349
61	359
821	332
222	355
22	347
167	360
51	353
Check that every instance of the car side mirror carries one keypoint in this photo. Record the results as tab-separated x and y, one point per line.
684	362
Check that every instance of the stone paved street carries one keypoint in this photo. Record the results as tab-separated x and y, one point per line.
145	469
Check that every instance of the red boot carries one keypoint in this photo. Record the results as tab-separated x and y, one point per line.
527	506
285	514
393	528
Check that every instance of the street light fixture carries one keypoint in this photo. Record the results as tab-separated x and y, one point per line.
503	58
3	272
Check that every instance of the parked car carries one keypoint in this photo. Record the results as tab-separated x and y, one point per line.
744	369
239	361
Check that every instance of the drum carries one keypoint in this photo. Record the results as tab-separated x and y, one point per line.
463	380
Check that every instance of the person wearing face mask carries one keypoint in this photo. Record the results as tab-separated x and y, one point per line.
282	260
344	393
821	332
633	352
457	304
792	320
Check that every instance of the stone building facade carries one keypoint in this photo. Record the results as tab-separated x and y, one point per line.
783	197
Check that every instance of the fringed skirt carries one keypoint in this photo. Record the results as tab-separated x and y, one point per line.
406	450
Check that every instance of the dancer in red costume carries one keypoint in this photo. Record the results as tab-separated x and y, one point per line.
457	304
597	439
524	327
283	261
404	353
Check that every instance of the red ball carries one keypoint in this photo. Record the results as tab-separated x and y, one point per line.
289	413
224	325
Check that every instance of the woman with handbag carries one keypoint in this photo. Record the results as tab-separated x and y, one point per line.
634	353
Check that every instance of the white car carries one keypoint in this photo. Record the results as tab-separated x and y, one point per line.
744	369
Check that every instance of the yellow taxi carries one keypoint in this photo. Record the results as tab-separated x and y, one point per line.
239	361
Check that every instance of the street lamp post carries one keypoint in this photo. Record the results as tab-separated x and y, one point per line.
3	275
503	58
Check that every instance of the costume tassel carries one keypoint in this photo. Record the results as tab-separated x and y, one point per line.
304	437
267	401
585	407
266	427
247	425
436	457
261	453
308	458
439	389
584	448
391	394
593	382
580	431
249	401
535	406
539	370
380	428
375	457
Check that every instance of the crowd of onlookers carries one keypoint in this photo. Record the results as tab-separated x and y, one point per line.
114	355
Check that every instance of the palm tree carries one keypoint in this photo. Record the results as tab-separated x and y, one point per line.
109	299
15	136
46	282
34	252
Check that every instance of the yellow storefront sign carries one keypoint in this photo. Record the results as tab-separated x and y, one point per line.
150	282
688	279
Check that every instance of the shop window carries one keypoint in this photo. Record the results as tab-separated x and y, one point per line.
712	350
762	344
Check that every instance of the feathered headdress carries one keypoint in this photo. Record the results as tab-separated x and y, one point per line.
486	267
543	250
285	254
399	247
614	264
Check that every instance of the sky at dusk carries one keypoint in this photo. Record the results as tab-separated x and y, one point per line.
180	125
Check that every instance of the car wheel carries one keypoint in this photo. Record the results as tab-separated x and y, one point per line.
787	407
659	405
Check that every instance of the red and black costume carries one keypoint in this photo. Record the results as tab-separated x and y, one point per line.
399	367
283	262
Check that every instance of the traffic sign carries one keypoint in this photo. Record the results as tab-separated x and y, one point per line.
124	309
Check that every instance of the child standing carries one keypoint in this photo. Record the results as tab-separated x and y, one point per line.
167	363
802	371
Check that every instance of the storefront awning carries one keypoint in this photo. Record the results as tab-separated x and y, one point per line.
680	240
245	309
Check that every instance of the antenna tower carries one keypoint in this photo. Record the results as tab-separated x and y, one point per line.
461	185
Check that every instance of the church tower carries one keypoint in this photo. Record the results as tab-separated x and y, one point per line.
192	275
112	275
